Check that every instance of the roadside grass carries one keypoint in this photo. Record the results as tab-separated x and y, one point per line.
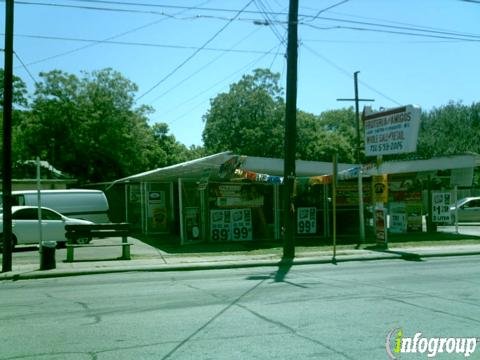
304	247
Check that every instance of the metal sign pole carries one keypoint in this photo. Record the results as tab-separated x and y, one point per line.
39	202
334	205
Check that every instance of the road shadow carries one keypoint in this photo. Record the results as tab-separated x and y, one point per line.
280	275
284	267
407	256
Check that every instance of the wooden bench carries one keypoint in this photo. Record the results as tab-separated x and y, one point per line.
74	233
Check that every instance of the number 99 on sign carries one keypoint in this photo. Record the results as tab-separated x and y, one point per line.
306	227
235	233
240	233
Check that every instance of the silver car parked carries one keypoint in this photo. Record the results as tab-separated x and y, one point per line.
468	210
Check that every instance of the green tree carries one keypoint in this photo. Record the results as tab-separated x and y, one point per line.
88	126
248	119
19	90
319	137
168	150
342	122
20	112
448	130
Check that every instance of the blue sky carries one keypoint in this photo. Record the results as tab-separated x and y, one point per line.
183	53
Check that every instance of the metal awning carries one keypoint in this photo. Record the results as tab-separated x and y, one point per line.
209	167
194	169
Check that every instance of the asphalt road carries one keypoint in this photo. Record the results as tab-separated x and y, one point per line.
306	312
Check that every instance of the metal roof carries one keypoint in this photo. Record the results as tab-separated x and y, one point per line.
429	165
196	169
209	167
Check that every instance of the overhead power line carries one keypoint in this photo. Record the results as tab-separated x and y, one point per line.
25	67
110	38
309	18
138	5
272	24
328	8
348	74
132	43
240	70
470	38
194	53
211	62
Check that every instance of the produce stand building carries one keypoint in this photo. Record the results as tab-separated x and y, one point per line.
227	197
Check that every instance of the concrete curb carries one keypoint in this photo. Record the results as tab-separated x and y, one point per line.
232	264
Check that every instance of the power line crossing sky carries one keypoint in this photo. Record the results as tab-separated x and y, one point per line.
181	54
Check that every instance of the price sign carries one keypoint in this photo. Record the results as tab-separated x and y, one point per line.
441	207
307	220
241	228
231	225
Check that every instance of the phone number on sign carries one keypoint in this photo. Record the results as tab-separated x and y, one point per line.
392	146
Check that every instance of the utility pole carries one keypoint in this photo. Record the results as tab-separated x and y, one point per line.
290	133
360	183
7	139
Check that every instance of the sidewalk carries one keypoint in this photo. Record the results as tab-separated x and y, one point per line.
147	258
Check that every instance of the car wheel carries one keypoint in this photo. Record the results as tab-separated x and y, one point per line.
83	241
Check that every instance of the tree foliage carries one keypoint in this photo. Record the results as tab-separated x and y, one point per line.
20	92
450	129
248	119
319	137
89	127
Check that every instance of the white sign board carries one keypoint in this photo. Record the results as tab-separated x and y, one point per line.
441	207
393	131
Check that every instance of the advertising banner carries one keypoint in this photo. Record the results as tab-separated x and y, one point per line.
236	195
192	223
157	212
393	131
414	216
381	226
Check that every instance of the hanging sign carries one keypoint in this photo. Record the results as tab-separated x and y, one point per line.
393	131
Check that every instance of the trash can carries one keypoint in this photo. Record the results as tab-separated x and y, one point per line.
47	255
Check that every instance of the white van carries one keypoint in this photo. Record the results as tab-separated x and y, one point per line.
89	205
